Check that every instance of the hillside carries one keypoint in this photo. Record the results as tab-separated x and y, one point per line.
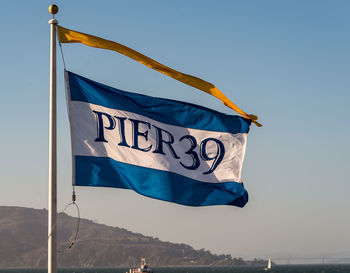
23	243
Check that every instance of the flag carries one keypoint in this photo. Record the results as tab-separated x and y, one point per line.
160	148
66	35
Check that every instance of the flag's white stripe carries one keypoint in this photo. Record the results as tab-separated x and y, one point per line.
84	133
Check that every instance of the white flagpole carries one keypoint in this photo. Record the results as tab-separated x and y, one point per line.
52	227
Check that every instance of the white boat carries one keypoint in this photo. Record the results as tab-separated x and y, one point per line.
268	265
143	268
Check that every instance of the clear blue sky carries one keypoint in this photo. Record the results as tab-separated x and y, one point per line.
286	61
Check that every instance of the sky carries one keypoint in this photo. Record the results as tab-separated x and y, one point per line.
285	61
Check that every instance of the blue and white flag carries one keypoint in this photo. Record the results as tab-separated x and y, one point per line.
164	149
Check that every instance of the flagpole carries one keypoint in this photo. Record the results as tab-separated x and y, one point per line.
52	213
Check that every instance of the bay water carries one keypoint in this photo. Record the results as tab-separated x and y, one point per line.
244	269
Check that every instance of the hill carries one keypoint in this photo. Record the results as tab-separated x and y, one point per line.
23	243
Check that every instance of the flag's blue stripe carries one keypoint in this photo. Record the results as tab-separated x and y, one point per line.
167	186
163	110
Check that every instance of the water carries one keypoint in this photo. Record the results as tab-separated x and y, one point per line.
276	269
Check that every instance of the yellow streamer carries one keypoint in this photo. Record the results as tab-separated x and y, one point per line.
70	36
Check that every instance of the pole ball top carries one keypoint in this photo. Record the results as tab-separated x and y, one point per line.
53	9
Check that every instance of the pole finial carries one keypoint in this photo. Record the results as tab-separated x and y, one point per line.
53	9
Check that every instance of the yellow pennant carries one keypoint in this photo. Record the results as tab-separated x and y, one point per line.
70	36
